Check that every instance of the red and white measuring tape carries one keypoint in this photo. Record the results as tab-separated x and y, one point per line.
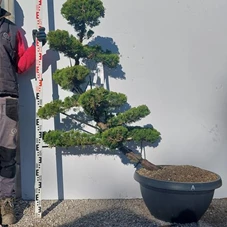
39	90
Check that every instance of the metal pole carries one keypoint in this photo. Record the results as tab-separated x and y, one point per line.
39	94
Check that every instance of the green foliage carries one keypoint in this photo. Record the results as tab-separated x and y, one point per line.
111	138
139	134
68	77
98	55
69	45
99	101
132	115
70	138
57	106
108	59
114	137
83	13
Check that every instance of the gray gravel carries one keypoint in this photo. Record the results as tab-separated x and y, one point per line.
108	213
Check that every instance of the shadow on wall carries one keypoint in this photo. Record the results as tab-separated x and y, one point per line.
112	217
27	112
106	43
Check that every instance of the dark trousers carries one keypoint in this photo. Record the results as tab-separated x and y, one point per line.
9	113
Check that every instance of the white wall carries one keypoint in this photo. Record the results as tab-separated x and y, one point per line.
174	56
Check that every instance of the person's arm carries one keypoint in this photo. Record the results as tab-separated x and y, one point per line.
25	57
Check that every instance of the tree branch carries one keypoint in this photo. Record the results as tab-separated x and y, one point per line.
81	121
102	126
138	159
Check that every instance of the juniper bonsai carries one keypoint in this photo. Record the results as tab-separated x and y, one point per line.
113	127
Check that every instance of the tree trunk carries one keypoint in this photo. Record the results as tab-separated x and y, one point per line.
77	61
138	159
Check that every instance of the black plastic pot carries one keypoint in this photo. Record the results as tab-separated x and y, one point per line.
176	202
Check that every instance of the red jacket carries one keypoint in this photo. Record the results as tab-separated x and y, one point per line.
25	57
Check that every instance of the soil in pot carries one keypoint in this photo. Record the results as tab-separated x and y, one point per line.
180	173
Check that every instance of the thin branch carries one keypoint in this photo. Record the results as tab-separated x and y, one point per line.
81	121
70	61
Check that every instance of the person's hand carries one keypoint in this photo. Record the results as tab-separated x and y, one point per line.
40	35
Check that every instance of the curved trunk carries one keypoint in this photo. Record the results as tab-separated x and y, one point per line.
138	159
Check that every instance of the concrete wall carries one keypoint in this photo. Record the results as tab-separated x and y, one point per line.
173	58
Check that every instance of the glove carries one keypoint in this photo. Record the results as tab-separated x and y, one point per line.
40	35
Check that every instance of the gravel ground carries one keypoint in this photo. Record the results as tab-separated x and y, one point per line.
108	213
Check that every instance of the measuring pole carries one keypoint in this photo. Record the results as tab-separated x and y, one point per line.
38	122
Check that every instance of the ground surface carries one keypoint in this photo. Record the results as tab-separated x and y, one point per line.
108	213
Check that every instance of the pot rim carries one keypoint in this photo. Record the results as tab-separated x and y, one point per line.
178	186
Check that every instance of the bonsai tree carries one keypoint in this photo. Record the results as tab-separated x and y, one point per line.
101	107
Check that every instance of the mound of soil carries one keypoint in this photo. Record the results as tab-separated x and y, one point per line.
180	173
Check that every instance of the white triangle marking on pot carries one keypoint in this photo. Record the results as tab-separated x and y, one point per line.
193	188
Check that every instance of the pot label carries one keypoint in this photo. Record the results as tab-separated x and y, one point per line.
193	188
